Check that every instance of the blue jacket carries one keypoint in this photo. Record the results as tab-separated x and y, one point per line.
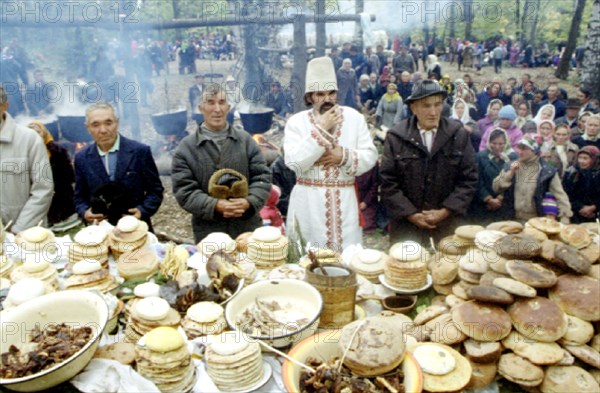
136	171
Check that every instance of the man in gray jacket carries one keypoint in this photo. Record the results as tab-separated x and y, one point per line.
219	174
27	186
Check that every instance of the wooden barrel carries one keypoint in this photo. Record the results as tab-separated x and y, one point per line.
338	289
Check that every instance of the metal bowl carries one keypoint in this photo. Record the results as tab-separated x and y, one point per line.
324	346
75	308
304	296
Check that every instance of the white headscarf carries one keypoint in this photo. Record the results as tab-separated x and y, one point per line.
465	119
538	117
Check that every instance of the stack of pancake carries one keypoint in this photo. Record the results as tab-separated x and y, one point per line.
89	243
139	263
37	267
141	291
37	239
130	234
147	314
90	274
267	248
369	264
204	318
165	360
406	269
234	364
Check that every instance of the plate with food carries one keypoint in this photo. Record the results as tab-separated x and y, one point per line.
406	291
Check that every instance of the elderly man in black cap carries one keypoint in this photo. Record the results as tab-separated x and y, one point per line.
428	170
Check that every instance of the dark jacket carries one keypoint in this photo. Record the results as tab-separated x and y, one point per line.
285	179
62	172
583	189
560	108
579	141
547	172
194	162
489	169
136	172
414	180
347	87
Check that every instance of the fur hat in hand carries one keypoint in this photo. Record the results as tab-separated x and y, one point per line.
228	183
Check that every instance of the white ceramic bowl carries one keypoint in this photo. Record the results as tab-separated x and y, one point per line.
304	296
76	308
323	346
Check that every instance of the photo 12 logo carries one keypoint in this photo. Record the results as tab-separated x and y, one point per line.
68	11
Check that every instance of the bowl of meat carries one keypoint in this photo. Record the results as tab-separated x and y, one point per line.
48	341
278	312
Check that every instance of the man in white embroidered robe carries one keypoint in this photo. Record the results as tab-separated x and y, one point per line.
327	146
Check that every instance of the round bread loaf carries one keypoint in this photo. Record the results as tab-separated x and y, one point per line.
577	296
518	247
452	381
163	339
532	274
519	370
509	227
575	235
545	224
536	352
538	319
408	251
572	258
481	321
579	332
468	231
372	346
567	380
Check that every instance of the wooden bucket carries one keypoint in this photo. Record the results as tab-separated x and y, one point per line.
338	289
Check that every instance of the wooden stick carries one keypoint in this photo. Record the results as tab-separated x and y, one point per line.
291	359
40	223
8	224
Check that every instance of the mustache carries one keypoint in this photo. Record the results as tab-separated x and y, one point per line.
325	107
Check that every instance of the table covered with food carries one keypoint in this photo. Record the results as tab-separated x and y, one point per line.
509	306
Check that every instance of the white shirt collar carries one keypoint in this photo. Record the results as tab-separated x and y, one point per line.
113	149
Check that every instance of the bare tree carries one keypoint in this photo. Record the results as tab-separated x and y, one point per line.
320	28
468	13
526	19
536	19
518	22
590	73
562	71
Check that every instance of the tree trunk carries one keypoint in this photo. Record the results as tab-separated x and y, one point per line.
320	28
452	20
468	12
518	23
590	73
536	18
359	6
562	71
177	15
526	19
300	59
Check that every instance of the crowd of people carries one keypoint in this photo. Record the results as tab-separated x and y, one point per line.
454	150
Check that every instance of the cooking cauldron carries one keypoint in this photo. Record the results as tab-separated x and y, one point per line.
257	123
170	123
73	129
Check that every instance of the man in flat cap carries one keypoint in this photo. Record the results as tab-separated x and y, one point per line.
428	170
327	146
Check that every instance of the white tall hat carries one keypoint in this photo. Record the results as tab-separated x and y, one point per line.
320	75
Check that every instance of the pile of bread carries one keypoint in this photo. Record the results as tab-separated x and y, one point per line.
519	301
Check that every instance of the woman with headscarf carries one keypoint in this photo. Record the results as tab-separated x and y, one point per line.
460	111
562	151
523	114
490	116
347	83
582	184
546	112
365	92
488	205
62	207
546	132
389	110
